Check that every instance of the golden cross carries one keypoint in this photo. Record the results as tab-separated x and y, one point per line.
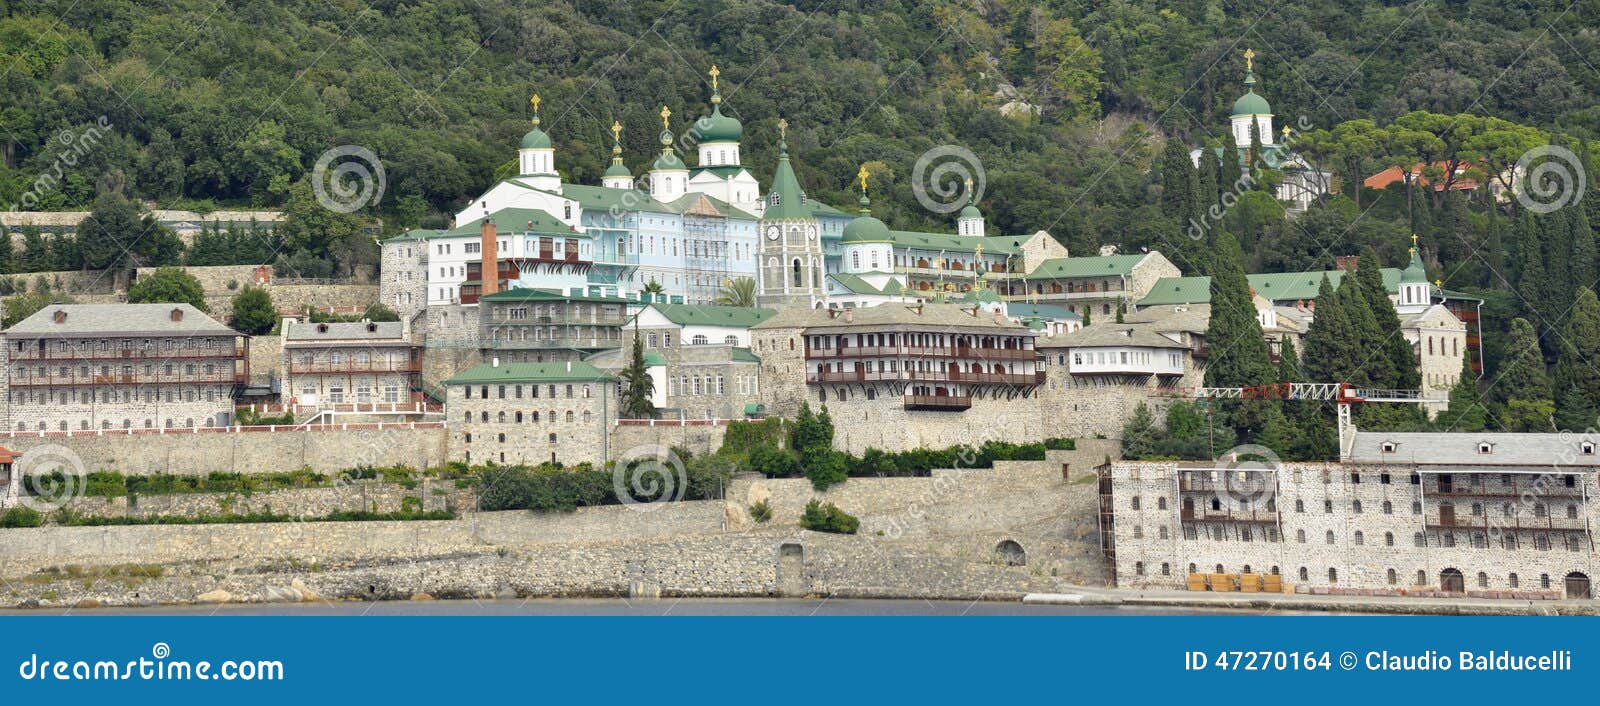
1413	241
783	129
665	113
1286	131
862	175
535	101
1438	283
969	188
714	74
1249	59
616	131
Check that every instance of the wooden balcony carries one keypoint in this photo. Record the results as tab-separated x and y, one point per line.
1226	515
1029	379
353	366
938	403
1021	354
228	377
1518	522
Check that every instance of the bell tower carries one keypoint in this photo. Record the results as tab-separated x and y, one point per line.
789	260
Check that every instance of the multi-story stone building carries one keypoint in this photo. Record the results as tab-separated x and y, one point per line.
535	325
121	366
1489	514
896	377
351	366
531	413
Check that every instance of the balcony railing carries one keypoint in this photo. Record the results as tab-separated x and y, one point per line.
1494	489
925	351
1243	487
547	344
938	403
1205	515
157	354
1035	378
1518	522
352	366
130	379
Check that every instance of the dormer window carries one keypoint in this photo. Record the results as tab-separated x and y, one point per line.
1485	447
1389	447
776	198
1587	447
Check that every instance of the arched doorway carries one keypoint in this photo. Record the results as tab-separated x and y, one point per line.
1451	581
1578	585
791	570
1010	553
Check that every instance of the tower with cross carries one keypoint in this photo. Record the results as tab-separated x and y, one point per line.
536	156
719	172
970	221
669	176
789	258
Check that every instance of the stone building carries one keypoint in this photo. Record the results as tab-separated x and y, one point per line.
535	325
712	381
896	377
352	366
1485	514
531	413
121	366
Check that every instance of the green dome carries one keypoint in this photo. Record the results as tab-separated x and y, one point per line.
866	229
718	127
1415	272
1251	104
535	139
971	211
669	161
618	170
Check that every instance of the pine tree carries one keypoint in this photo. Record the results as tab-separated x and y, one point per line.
1257	161
1580	355
1532	282
1210	171
1179	186
1467	412
1288	362
1277	432
637	385
1582	264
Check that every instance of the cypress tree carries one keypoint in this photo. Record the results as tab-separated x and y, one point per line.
1288	362
1522	375
1581	265
1401	370
1327	356
1580	355
1256	163
1467	412
1210	172
1238	356
1531	277
1179	185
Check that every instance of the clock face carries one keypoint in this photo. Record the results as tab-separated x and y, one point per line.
772	232
811	232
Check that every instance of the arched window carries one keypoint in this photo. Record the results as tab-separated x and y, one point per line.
796	279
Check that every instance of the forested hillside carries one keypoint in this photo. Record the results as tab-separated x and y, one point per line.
213	105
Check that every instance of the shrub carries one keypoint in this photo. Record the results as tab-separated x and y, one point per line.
828	518
21	517
761	511
774	462
744	437
828	468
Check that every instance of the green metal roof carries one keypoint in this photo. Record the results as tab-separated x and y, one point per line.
1415	271
529	372
722	171
1276	286
744	355
536	139
866	229
1041	311
515	220
717	127
599	198
786	189
1251	104
854	284
654	360
950	242
1069	267
713	315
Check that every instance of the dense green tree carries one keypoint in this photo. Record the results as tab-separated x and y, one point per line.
637	386
1467	411
1398	369
1238	351
1139	437
253	312
168	285
1522	387
1331	340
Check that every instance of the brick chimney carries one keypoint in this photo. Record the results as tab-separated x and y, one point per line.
490	274
849	315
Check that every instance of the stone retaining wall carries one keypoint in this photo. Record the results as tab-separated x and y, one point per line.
369	496
183	453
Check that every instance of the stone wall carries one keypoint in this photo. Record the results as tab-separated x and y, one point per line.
362	495
531	423
266	357
943	537
699	437
186	453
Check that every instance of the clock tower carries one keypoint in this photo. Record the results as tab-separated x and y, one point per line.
789	261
